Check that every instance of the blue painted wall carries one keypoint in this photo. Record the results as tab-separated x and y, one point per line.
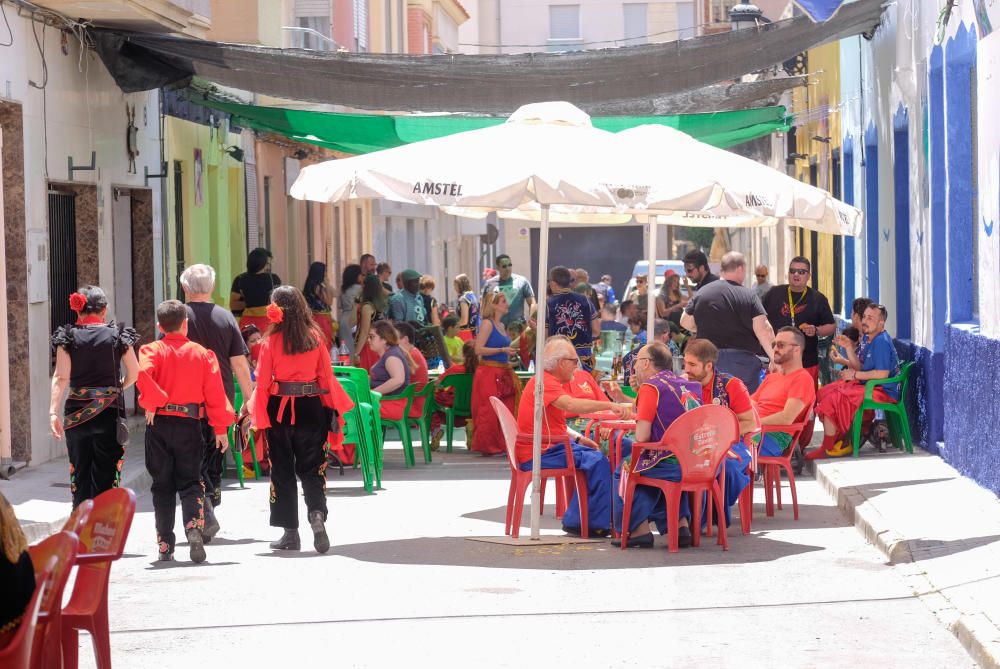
871	211
924	406
901	181
971	386
850	267
960	61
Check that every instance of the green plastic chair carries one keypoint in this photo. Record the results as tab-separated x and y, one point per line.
238	457
356	431
372	422
423	421
402	426
895	412
462	405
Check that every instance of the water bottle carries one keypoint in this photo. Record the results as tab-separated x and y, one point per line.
531	367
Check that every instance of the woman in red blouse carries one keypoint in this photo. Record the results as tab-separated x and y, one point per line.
300	404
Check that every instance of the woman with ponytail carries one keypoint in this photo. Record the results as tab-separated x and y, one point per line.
89	354
300	405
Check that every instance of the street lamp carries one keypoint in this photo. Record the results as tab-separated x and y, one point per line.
745	15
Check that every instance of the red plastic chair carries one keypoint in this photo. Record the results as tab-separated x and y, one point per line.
772	466
519	480
699	439
746	496
102	541
79	517
62	548
18	653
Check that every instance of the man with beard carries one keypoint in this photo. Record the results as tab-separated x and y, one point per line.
839	401
785	396
700	357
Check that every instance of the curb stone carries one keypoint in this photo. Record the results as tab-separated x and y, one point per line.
978	635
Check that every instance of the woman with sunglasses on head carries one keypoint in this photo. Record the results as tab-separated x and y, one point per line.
394	369
300	405
251	291
89	355
494	377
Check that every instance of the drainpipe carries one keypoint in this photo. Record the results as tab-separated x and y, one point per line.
499	28
7	467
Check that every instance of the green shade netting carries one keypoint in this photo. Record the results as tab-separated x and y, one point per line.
364	133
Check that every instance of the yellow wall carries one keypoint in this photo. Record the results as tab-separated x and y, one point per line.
214	229
823	91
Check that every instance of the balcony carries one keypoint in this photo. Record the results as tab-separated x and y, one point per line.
189	17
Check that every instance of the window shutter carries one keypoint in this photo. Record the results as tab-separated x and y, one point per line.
250	173
564	22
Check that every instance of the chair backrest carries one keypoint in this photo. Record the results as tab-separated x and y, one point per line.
508	426
462	384
17	653
359	376
427	394
79	517
107	527
904	371
62	548
699	438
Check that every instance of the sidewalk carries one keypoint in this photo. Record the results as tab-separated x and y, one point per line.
941	529
40	495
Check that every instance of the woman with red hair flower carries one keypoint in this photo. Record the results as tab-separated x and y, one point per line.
89	355
300	405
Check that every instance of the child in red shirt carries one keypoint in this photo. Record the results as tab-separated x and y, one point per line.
179	381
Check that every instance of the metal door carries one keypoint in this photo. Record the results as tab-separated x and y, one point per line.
62	257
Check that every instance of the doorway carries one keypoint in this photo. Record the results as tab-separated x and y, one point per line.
62	257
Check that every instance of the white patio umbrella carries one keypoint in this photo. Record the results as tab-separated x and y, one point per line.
547	158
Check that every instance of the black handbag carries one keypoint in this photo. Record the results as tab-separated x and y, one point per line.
121	426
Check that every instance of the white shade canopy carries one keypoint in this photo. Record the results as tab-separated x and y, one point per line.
548	161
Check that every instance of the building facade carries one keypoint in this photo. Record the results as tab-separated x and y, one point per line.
81	202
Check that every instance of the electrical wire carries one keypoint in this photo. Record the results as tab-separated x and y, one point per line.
10	32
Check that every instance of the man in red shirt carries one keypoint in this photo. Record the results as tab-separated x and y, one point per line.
560	361
784	397
179	381
700	356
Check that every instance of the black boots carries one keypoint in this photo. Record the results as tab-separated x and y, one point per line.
211	523
289	541
196	544
321	542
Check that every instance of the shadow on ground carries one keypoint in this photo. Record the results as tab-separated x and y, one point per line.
464	552
928	549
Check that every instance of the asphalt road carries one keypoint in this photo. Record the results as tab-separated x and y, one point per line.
404	584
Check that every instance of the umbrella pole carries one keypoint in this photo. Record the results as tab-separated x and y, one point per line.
536	439
651	281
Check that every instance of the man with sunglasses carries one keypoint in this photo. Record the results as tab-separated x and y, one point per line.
560	363
763	285
697	270
514	287
797	305
840	400
785	396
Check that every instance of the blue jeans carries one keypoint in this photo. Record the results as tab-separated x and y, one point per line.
597	470
648	503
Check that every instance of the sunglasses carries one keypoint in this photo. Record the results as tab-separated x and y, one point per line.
781	344
795	270
505	265
762	276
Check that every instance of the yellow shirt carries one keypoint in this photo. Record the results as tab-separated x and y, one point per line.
454	345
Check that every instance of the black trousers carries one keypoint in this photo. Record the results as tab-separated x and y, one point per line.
95	458
298	449
212	462
174	449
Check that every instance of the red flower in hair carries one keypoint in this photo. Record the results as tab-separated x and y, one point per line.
275	314
77	302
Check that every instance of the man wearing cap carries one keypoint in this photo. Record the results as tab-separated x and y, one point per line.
407	305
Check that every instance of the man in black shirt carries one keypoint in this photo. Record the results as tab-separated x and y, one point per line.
214	328
696	268
729	315
797	305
